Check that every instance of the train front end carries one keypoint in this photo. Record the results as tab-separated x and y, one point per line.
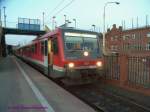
83	56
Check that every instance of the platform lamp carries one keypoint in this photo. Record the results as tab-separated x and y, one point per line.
65	18
43	20
117	3
53	22
75	23
93	27
4	16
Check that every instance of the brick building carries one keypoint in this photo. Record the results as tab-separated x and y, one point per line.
128	41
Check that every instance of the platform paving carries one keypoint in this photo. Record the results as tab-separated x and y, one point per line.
24	89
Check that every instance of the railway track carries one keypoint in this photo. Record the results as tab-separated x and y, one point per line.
103	101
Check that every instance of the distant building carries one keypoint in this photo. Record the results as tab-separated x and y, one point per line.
128	41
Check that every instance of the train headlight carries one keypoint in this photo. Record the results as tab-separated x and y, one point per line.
99	63
70	65
86	53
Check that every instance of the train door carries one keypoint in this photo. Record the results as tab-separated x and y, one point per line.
45	55
53	56
50	57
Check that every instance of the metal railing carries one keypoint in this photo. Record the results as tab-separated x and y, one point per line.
139	71
112	67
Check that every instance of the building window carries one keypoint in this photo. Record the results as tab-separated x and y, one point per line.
114	38
138	36
148	46
114	47
126	37
148	34
126	46
133	36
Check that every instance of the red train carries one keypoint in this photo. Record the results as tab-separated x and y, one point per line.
71	54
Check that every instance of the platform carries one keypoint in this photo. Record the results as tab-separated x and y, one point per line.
24	89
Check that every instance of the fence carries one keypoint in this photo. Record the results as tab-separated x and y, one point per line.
139	71
29	24
112	67
128	70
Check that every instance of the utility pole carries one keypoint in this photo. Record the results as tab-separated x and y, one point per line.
137	22
53	22
0	17
43	20
93	27
4	16
65	19
132	23
75	23
124	23
146	20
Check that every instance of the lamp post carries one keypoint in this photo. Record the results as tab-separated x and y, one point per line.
75	23
65	18
104	21
93	27
53	22
0	17
43	20
4	16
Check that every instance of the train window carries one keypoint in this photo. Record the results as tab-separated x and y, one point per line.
91	44
55	46
73	43
30	49
42	47
45	47
35	48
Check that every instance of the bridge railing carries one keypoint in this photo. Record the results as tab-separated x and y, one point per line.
16	25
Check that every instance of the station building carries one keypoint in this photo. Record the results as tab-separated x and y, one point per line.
130	41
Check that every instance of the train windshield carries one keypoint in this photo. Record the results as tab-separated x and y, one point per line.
76	44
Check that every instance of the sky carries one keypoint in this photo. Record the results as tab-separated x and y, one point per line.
86	13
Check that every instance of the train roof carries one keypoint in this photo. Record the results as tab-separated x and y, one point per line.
68	29
77	30
63	29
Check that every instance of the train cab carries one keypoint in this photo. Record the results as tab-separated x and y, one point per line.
74	54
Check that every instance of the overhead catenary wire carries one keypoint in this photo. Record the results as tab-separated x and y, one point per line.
64	7
55	7
61	10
